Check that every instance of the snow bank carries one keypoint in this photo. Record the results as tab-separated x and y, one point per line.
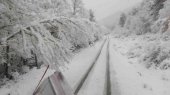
156	54
152	51
24	84
132	78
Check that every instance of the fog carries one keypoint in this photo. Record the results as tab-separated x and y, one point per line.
104	8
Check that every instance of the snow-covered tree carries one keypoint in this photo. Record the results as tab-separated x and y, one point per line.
122	20
79	10
92	17
165	11
35	32
77	6
146	14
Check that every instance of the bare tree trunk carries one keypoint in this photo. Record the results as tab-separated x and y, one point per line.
7	63
36	61
35	58
74	7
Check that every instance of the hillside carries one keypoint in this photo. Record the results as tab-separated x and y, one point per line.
151	20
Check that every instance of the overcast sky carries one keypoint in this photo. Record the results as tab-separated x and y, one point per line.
104	8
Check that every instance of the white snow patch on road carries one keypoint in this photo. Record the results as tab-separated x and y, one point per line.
95	83
80	64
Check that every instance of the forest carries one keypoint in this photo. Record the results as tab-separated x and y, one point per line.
61	46
34	32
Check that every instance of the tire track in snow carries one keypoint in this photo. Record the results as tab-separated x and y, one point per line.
108	79
95	82
89	70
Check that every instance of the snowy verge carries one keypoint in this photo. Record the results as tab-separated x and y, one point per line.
24	84
133	78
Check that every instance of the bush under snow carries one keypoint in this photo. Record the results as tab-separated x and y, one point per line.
153	52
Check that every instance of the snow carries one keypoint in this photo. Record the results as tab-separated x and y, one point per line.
41	32
96	78
80	63
24	84
133	78
128	76
164	12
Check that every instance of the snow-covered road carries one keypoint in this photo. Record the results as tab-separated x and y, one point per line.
113	73
93	74
102	69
